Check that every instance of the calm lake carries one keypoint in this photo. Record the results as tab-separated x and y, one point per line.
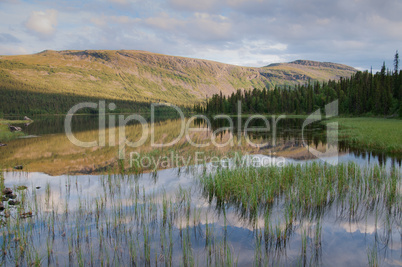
79	206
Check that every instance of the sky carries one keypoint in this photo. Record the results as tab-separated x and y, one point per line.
359	33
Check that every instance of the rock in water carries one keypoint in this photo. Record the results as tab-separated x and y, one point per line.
27	119
19	167
26	214
1	144
1	206
14	128
13	202
7	191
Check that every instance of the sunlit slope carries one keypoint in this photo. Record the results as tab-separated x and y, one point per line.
300	71
143	77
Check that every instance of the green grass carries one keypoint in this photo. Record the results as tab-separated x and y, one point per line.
376	134
5	133
307	190
287	116
5	122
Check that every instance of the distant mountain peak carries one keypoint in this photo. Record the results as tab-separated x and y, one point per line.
316	64
144	76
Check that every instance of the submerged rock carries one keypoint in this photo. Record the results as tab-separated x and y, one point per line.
13	202
26	214
7	191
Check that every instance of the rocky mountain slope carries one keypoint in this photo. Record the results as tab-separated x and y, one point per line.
144	77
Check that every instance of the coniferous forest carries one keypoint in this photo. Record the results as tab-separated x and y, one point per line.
364	93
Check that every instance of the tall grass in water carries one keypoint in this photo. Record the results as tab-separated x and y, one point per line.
306	189
118	224
305	193
125	223
372	256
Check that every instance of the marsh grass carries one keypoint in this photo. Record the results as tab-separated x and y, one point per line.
372	256
306	189
375	134
119	224
125	222
307	193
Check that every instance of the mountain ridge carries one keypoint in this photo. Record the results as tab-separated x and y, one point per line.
136	75
315	64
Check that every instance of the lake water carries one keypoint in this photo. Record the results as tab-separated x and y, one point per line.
83	212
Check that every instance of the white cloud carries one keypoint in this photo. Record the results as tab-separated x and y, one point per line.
244	32
241	56
323	21
199	27
352	227
124	19
99	21
194	5
122	2
164	22
12	50
8	38
386	27
42	23
9	1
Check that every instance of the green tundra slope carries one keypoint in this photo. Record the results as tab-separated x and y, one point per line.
36	80
300	71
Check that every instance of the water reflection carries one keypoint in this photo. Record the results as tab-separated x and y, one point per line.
54	124
165	219
51	152
288	136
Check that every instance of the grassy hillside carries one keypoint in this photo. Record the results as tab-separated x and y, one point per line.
300	71
137	76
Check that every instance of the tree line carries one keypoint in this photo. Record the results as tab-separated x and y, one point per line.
364	93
